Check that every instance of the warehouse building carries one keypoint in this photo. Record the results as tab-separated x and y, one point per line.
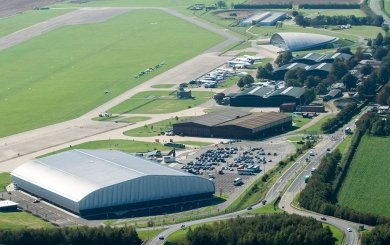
296	41
267	97
94	181
321	70
262	18
315	58
234	124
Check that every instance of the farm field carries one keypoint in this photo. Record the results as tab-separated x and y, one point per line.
20	21
155	128
80	63
365	187
331	12
157	102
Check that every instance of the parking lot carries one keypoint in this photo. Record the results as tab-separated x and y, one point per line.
224	163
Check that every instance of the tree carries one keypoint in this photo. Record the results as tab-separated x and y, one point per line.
383	97
322	88
339	68
380	52
265	72
345	50
309	96
248	79
367	88
221	4
219	97
349	81
283	58
294	13
366	69
379	39
385	27
312	81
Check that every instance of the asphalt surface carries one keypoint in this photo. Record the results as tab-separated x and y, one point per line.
374	5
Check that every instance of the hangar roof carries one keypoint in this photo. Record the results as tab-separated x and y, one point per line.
266	92
212	119
295	41
76	173
257	120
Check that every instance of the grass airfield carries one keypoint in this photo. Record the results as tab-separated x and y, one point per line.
64	73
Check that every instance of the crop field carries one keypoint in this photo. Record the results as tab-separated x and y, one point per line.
157	102
64	73
366	186
332	12
23	20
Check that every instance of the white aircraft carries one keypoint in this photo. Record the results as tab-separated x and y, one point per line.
234	63
254	58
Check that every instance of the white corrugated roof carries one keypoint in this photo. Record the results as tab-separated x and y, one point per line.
76	173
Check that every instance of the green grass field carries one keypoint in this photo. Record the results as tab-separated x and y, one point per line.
154	129
130	146
158	102
387	7
331	12
145	235
299	121
316	128
5	179
366	186
163	85
64	73
23	20
21	220
195	143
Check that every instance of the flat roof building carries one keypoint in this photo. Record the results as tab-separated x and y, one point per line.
93	181
267	97
234	124
262	18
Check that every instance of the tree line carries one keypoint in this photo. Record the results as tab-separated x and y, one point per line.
272	229
380	235
71	235
264	6
325	20
332	124
374	124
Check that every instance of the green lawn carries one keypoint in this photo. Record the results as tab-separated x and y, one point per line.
267	209
130	146
366	187
21	220
64	73
5	179
154	129
336	232
229	82
146	235
344	145
316	128
163	85
158	102
23	20
331	12
195	143
387	6
299	121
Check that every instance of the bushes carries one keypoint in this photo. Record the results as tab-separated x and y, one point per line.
273	229
380	235
75	236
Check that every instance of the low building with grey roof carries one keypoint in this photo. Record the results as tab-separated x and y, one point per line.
93	181
268	97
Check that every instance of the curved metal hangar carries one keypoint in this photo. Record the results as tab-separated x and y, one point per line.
296	41
92	181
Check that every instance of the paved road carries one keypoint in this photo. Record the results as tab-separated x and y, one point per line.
374	5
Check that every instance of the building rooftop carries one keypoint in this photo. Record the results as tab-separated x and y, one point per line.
76	173
266	92
7	203
296	41
216	118
254	121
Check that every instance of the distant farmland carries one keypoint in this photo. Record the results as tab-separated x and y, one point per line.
366	186
302	1
64	73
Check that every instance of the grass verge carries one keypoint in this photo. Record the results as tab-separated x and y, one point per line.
154	129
